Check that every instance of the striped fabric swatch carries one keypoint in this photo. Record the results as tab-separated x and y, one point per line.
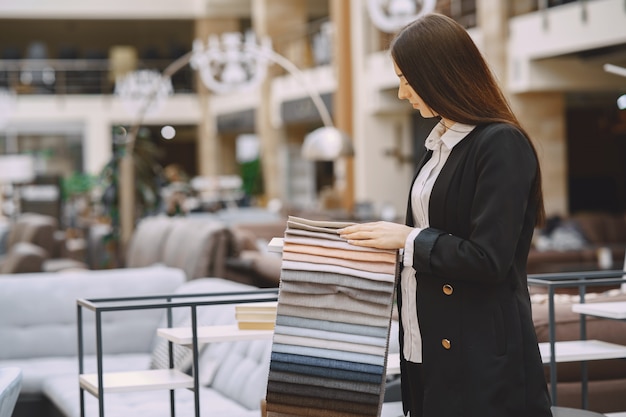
329	352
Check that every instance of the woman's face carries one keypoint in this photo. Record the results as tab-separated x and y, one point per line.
406	92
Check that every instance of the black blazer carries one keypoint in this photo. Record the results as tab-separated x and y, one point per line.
479	348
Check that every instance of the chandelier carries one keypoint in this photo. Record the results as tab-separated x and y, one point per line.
392	15
239	62
143	92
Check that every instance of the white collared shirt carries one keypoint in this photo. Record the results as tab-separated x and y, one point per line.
441	144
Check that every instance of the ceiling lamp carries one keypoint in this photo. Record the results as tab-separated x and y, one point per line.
326	144
621	102
617	70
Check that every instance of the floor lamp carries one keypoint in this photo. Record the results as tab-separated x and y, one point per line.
236	62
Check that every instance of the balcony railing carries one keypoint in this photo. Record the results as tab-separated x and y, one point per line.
75	76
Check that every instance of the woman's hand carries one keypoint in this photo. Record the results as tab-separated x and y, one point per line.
380	235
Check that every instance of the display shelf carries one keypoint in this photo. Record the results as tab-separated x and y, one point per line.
210	334
102	382
582	350
154	379
611	310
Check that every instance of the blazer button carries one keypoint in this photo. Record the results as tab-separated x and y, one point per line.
447	289
446	344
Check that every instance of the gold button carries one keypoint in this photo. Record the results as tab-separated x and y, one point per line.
445	343
447	289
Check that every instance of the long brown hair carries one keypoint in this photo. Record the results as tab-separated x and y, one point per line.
442	64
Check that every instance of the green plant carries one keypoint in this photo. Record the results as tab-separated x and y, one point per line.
77	184
148	175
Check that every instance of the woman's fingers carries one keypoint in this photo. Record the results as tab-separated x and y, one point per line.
383	235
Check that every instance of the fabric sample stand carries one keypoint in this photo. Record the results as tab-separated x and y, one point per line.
331	340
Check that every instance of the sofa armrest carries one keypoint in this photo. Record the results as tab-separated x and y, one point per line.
255	268
23	257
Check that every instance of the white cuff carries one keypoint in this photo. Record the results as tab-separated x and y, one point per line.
408	247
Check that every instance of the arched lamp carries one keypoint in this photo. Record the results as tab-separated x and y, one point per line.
326	144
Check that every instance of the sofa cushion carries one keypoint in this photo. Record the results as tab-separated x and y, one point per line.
38	311
196	247
147	242
206	316
243	370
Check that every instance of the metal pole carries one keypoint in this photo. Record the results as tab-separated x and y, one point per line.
79	320
99	360
552	336
196	373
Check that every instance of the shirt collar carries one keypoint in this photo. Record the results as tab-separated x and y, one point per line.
453	135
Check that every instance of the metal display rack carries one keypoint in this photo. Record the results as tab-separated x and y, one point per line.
582	350
100	382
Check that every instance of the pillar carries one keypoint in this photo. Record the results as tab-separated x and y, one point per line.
276	19
342	61
208	145
542	114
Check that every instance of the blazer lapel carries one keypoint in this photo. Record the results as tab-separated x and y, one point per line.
441	187
409	221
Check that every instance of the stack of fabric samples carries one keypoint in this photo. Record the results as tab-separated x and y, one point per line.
256	316
331	339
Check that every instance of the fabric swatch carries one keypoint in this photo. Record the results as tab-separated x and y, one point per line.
331	339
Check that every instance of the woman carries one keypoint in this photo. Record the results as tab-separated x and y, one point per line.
468	345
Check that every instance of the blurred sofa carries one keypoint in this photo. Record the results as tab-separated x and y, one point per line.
44	344
34	243
197	247
38	325
233	375
572	244
250	261
231	244
209	245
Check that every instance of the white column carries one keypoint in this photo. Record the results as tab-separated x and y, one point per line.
274	18
97	144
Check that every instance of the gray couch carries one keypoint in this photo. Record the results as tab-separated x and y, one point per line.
38	333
